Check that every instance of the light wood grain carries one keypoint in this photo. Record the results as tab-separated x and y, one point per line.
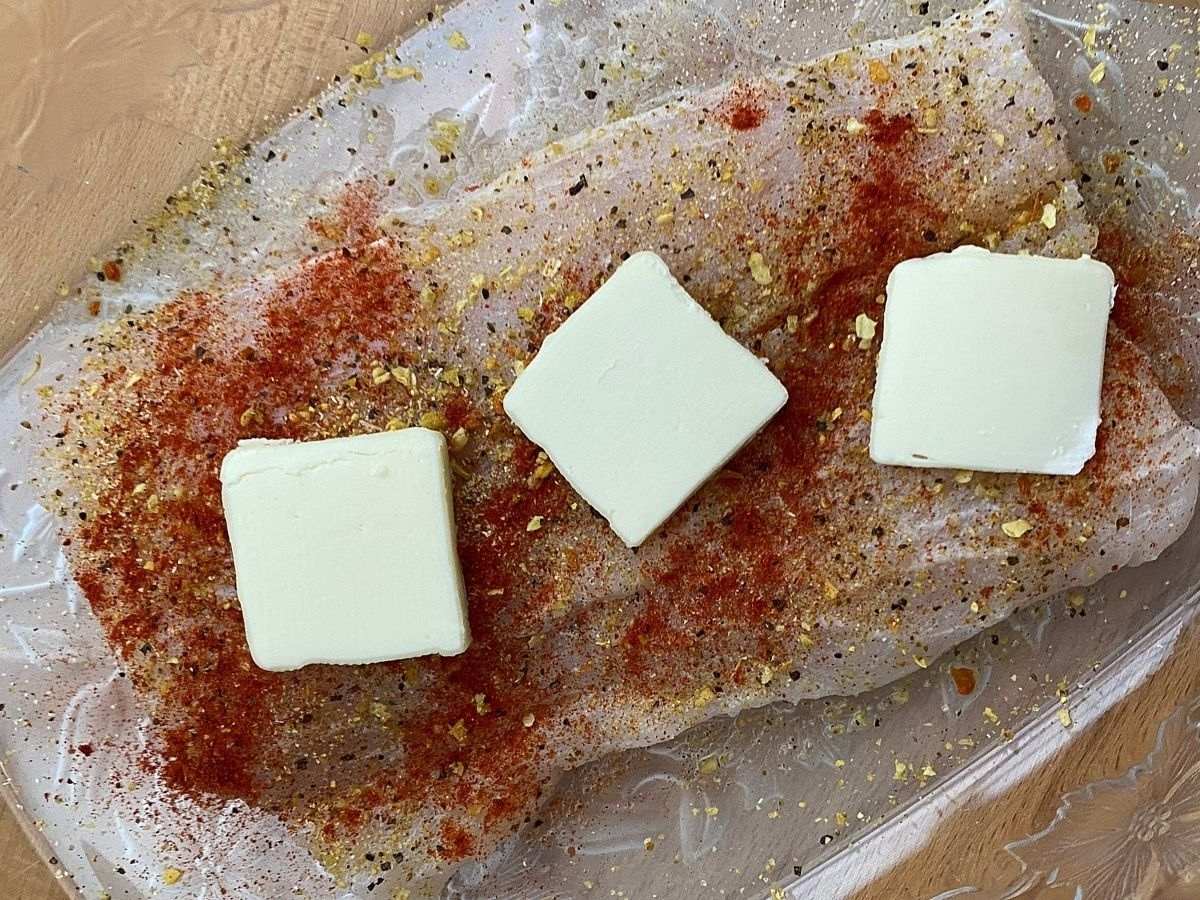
96	155
25	875
237	74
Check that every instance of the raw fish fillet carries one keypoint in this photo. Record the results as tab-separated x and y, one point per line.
800	570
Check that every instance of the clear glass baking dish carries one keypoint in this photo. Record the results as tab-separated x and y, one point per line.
813	800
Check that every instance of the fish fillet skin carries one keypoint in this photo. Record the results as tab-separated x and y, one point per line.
800	570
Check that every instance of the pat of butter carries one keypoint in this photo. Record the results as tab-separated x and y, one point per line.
992	362
639	397
344	549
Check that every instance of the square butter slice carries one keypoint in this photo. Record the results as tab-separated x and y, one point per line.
639	397
344	549
992	362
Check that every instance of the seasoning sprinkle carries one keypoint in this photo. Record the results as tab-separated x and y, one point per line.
1017	528
759	270
403	73
864	329
433	420
541	472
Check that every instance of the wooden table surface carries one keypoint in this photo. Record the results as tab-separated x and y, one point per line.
109	142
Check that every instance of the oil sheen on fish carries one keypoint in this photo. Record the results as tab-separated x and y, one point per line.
800	570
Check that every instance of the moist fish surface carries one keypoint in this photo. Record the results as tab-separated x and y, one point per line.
801	570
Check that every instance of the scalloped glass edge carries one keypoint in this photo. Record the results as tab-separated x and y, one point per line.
1005	765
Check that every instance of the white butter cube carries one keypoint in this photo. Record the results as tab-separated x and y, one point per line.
639	397
992	362
344	549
